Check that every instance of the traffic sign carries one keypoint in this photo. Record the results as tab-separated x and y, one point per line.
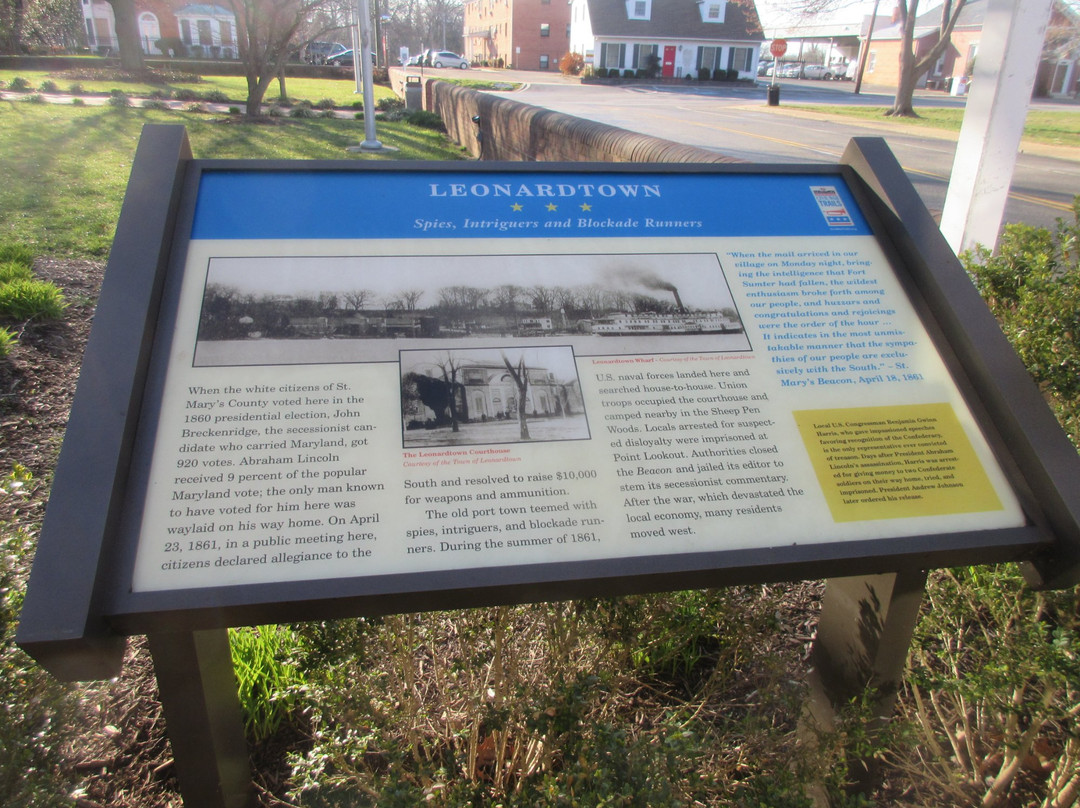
778	47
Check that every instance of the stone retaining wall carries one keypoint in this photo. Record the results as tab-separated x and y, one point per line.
521	132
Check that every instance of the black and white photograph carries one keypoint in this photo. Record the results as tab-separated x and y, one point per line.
510	395
304	310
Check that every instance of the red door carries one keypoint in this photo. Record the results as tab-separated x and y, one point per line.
668	70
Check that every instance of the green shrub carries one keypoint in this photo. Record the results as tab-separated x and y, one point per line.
390	104
7	342
16	253
76	89
160	94
1032	284
185	94
27	299
704	74
19	85
196	108
234	110
215	97
302	112
154	103
425	120
35	98
994	683
77	102
268	685
325	103
119	99
14	271
49	86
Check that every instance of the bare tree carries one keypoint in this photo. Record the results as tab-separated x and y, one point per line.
450	368
410	297
357	298
520	375
542	298
911	67
266	30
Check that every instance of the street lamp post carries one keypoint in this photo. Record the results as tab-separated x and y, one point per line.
370	142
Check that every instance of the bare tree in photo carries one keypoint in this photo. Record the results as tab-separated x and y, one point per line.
520	375
410	298
357	299
542	298
450	368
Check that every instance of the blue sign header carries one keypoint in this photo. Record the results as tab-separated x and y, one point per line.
434	204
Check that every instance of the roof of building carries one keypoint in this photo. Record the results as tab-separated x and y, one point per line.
970	19
676	19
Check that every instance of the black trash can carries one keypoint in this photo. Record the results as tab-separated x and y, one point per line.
414	92
774	95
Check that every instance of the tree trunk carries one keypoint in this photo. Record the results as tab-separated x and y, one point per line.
905	89
127	35
257	87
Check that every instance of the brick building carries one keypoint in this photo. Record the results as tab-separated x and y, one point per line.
206	30
523	34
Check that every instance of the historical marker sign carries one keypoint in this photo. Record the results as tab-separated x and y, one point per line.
400	386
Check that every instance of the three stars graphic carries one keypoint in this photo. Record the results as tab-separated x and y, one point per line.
517	207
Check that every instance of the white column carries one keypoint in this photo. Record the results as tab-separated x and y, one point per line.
1008	57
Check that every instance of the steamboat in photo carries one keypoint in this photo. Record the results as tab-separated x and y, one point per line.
680	322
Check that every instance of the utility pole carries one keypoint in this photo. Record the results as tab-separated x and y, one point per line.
865	54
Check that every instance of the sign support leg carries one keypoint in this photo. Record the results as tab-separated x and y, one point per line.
202	713
864	633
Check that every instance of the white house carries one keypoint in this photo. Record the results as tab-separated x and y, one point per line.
678	37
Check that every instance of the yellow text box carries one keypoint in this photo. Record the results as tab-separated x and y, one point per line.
895	462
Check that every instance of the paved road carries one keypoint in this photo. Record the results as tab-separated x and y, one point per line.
738	122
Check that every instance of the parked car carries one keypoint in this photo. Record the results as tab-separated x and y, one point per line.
344	59
791	71
448	59
764	68
318	53
817	72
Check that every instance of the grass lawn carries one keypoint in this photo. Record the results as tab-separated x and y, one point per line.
341	91
66	167
1054	128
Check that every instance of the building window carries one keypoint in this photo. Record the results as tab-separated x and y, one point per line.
545	29
871	62
544	61
205	36
185	31
226	32
639	8
612	55
740	59
714	11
